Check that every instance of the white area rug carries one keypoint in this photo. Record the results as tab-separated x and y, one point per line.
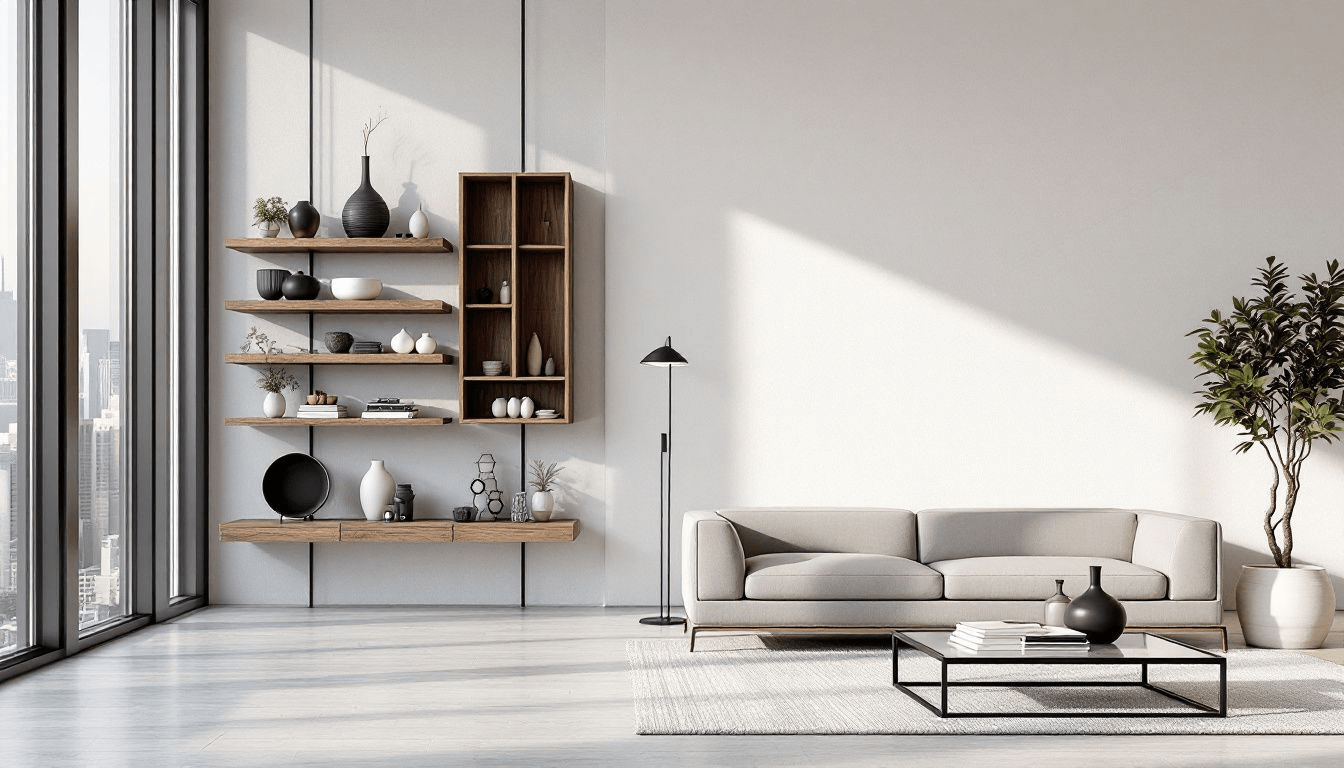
763	685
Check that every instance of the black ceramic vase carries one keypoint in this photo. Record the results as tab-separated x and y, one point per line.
1095	613
301	287
365	214
271	282
303	219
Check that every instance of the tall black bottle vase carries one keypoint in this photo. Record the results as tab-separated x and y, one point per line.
365	214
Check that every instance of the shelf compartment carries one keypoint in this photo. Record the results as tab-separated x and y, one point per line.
357	530
339	245
489	335
543	218
486	269
541	296
345	358
479	392
352	421
340	307
487	215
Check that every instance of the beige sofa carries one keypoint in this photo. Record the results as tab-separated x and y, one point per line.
870	570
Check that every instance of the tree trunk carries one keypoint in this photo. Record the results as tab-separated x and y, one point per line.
1286	527
1269	514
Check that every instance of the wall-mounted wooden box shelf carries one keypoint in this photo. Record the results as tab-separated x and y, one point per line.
352	421
516	227
339	307
339	245
345	358
266	530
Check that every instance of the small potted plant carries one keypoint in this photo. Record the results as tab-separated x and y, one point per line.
268	214
1273	368
543	480
273	381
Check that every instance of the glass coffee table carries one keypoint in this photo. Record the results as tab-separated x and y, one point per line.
1130	650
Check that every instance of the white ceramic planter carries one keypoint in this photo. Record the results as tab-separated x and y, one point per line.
543	503
1285	607
376	490
269	229
273	407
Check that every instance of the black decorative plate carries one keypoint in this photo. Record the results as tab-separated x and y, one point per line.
296	485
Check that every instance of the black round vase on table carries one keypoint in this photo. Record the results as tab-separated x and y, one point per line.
365	214
271	283
301	287
1095	613
303	219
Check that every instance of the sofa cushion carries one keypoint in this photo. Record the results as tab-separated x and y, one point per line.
952	534
1033	578
839	576
873	531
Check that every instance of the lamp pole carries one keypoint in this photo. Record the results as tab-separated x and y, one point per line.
665	357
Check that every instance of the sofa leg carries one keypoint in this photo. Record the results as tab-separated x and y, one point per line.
693	631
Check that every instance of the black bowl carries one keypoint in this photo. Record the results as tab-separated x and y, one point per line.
296	485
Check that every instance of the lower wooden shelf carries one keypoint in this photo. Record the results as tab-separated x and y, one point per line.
265	530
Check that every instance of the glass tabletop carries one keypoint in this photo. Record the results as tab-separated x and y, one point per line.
1128	648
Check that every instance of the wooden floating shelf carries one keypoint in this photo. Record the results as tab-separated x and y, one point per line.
352	421
506	420
266	530
339	307
339	245
345	358
514	378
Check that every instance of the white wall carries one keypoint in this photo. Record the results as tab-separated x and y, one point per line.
944	253
446	74
918	253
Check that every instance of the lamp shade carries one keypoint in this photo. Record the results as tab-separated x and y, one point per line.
664	356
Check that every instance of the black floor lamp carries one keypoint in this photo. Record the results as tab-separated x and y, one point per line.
665	357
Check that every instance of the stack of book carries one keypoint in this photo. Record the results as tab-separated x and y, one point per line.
390	408
322	412
1016	637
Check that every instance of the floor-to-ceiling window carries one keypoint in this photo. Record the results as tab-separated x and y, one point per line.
104	240
102	495
15	521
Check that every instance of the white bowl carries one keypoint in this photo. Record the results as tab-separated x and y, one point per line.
356	288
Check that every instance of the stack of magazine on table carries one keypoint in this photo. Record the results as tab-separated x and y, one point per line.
390	408
1016	637
322	412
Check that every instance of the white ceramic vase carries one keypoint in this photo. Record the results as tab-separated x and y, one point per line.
543	503
527	408
426	344
419	224
376	490
500	407
505	293
403	343
273	407
1285	607
515	407
549	368
534	356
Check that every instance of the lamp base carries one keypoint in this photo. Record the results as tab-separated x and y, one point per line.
663	621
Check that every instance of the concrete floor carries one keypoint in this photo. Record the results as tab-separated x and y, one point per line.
465	686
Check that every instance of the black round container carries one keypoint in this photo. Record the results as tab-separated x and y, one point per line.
303	219
300	287
1095	613
296	485
338	342
270	283
365	214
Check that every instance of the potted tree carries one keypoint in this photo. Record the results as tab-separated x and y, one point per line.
268	215
1274	369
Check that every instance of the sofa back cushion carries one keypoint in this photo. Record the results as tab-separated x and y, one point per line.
952	534
869	531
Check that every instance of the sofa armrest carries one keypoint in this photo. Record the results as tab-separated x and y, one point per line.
712	564
1187	549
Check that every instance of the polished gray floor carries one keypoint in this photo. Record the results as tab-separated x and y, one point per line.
463	686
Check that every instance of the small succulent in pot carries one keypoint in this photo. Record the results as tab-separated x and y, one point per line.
268	214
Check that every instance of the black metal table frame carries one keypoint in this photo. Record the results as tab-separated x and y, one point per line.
1198	709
